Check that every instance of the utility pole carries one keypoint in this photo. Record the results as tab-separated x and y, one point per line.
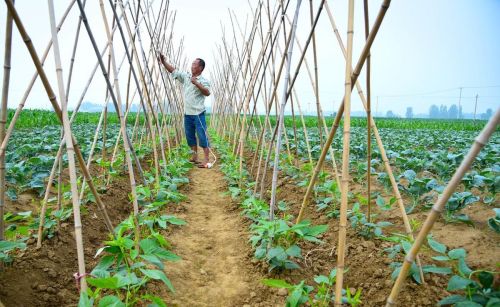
459	106
475	107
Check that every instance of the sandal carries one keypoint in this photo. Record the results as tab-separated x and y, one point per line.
195	161
203	165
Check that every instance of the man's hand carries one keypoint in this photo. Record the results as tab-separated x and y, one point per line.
202	89
161	58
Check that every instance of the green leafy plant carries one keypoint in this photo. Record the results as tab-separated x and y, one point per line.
6	247
321	296
276	241
124	268
360	223
494	222
403	245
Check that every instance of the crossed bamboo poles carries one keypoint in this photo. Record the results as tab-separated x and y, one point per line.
147	90
153	73
351	81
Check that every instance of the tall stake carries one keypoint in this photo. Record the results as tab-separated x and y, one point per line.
368	118
387	165
345	159
438	207
70	151
280	122
355	75
3	114
118	106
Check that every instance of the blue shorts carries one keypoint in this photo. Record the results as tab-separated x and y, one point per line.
195	125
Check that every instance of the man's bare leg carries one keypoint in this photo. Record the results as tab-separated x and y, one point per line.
206	152
194	157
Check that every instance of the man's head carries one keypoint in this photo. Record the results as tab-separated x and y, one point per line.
197	66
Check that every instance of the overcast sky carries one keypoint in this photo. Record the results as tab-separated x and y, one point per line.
425	51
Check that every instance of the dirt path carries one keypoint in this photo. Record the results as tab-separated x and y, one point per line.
215	269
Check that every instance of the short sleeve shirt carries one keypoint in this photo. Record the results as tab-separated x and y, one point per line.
194	100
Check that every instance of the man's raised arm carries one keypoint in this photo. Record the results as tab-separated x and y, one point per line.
167	66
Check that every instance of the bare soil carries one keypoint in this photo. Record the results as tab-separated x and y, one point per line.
218	267
215	269
367	263
44	277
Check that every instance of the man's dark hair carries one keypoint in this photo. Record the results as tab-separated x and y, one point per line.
202	63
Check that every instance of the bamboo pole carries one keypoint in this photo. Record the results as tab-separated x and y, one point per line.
321	117
438	207
53	100
280	124
354	77
387	165
57	160
151	104
368	117
118	106
136	79
345	159
13	121
3	113
267	122
92	148
126	140
316	82
70	153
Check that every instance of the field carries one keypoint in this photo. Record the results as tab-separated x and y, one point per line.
114	207
459	258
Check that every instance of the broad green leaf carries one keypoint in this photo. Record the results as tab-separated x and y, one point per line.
173	220
276	252
486	279
166	255
441	258
316	230
458	283
276	283
9	245
153	260
158	275
105	262
380	201
84	300
294	297
321	279
148	245
291	265
157	301
105	283
467	304
435	245
457	253
127	279
406	246
452	299
463	267
293	251
493	302
435	269
111	301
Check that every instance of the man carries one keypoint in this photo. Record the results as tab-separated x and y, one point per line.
195	88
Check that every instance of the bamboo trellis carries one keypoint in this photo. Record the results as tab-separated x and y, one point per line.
247	72
154	111
351	80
